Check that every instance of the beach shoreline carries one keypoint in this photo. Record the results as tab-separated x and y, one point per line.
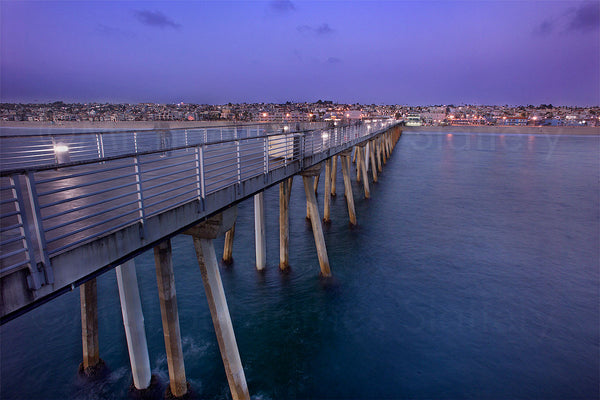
522	130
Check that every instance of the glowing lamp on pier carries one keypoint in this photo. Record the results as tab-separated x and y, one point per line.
61	153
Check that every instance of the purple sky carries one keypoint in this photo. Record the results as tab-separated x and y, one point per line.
395	52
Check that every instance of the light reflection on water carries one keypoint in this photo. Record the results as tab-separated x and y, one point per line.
473	273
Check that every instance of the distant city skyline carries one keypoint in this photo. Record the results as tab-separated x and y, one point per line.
394	52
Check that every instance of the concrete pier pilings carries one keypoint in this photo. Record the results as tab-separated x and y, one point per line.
327	194
133	321
333	174
92	364
203	235
311	201
260	242
345	159
372	158
285	188
362	170
170	318
228	246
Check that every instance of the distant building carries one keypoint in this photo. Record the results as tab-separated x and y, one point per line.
513	121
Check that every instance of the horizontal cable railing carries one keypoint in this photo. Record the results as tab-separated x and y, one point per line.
47	210
26	151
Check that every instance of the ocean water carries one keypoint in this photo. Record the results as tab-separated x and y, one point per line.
473	274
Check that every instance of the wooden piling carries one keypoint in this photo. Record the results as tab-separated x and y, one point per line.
308	179
228	246
345	160
170	317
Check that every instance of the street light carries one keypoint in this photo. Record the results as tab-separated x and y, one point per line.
61	153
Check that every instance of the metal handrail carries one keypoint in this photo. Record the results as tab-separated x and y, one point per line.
169	177
18	147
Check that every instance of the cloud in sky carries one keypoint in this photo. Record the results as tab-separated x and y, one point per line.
321	30
155	19
546	27
333	60
585	18
281	6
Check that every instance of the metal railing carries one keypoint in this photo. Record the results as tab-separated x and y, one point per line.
95	184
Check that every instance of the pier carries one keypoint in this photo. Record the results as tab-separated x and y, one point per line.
79	205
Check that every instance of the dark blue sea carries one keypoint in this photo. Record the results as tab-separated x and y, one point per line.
473	274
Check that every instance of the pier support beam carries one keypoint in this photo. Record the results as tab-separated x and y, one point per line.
284	223
203	235
259	231
170	318
92	363
228	246
385	149
317	183
333	174
133	321
379	155
367	154
372	157
311	200
327	201
360	161
345	160
388	144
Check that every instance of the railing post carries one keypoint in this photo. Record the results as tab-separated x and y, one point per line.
135	144
266	151
202	180
98	145
302	150
24	230
198	173
101	145
237	156
36	214
140	195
